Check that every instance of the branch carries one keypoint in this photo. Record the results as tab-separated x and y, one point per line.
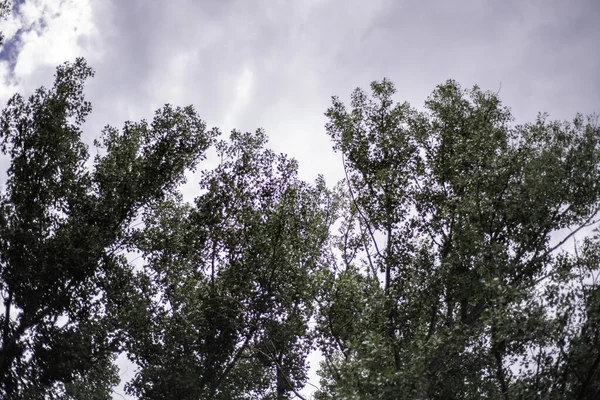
333	369
500	371
5	361
433	239
588	222
234	361
365	244
280	369
335	336
358	208
7	306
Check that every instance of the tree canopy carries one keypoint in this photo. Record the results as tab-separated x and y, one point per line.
435	270
460	292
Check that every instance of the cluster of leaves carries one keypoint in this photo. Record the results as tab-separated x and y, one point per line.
445	281
229	284
63	229
450	285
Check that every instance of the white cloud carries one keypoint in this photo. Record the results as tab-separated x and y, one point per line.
44	34
243	91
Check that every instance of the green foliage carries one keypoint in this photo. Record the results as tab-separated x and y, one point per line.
63	226
231	280
458	291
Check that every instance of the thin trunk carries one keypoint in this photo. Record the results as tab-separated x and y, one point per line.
387	285
7	306
388	261
497	350
449	298
432	321
4	363
449	311
500	374
282	382
7	354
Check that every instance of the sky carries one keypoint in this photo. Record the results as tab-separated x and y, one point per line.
275	64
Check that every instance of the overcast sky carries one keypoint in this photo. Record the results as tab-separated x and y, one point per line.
275	64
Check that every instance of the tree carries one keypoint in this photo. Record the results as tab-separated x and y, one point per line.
452	283
222	306
64	227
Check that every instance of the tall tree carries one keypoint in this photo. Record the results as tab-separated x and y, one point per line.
460	289
222	306
64	226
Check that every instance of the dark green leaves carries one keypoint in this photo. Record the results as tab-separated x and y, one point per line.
63	227
456	208
234	280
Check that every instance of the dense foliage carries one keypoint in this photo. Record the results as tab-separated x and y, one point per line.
228	289
461	293
435	270
63	227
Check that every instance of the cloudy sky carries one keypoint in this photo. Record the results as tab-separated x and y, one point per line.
276	63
